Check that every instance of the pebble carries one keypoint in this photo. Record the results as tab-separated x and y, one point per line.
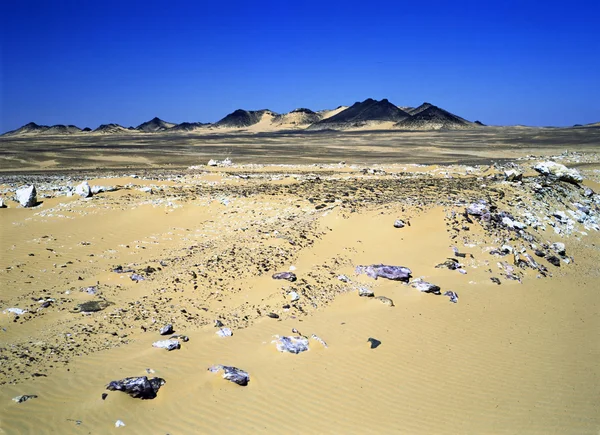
374	342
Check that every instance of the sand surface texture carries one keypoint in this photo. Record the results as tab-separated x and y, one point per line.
517	353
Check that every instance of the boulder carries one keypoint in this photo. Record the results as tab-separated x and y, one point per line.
395	273
291	344
399	223
166	330
426	287
232	374
559	171
169	344
84	190
140	387
27	196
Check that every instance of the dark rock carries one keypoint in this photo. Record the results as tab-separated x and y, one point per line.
374	343
495	280
540	253
450	263
288	276
24	398
91	306
396	273
452	295
426	287
104	396
139	388
232	374
273	315
554	260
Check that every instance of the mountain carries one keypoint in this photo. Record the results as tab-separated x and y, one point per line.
30	128
154	125
111	129
362	113
430	117
326	114
62	129
296	118
243	118
188	126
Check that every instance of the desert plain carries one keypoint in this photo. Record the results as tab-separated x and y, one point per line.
167	239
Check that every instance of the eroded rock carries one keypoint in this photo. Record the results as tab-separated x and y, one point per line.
232	374
138	387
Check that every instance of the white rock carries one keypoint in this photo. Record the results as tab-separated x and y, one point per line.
2	205
119	423
84	190
559	171
27	196
294	296
559	248
17	311
224	332
212	162
512	175
167	344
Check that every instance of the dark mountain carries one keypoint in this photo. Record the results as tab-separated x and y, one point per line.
430	117
111	129
154	125
361	113
242	118
31	128
62	129
188	126
86	129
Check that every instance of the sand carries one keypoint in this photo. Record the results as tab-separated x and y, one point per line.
520	357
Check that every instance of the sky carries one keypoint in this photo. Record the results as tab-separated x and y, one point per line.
504	63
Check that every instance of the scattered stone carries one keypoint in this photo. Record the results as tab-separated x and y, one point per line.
183	338
91	306
343	278
374	342
137	277
319	339
273	315
288	276
119	423
218	324
138	387
27	196
478	208
588	192
365	292
291	344
385	300
513	175
559	171
559	248
539	253
104	396
2	205
146	190
17	311
91	290
24	398
396	273
399	223
167	344
450	263
166	330
232	374
495	280
426	287
452	295
119	269
554	260
84	190
224	332
294	296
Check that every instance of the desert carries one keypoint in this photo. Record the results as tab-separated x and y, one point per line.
335	279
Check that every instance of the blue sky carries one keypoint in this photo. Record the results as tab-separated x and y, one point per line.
88	62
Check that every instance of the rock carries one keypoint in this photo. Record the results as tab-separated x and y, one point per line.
291	344
495	280
450	263
319	339
119	269
212	162
426	287
119	423
167	344
374	342
478	208
294	296
452	295
27	196
399	223
24	398
146	189
343	278
385	300
273	315
559	171
365	292
396	273
232	374
138	387
91	306
183	338
539	253
555	261
166	330
288	276
218	324
512	175
2	205
17	311
224	332
559	248
84	190
588	192
137	277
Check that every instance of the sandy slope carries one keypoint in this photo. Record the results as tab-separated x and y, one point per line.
514	358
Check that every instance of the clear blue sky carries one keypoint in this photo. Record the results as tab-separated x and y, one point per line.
91	62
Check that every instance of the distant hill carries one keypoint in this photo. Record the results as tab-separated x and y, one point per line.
430	117
242	118
111	129
155	125
188	126
30	128
296	118
361	113
62	129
